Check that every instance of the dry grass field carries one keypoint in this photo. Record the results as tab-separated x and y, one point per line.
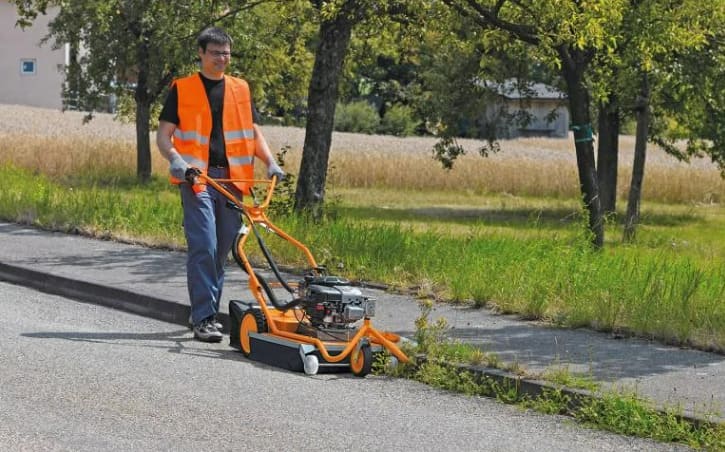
56	143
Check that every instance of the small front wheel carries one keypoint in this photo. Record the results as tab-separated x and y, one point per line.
311	364
361	361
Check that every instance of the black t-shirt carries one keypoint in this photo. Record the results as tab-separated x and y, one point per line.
215	94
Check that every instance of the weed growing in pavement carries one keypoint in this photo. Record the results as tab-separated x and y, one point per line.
628	415
443	366
563	376
551	401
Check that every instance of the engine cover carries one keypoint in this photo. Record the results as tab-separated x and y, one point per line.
332	301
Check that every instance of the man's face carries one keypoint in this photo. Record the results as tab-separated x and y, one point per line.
215	59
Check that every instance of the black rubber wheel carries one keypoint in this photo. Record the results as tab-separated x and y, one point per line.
362	362
252	322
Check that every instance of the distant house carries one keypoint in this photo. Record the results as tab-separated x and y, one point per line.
31	75
527	110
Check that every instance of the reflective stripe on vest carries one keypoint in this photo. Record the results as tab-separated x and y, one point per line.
238	135
192	135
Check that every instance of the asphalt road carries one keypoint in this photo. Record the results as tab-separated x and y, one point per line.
79	377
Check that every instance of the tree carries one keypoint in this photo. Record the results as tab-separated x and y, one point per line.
657	34
337	20
642	111
334	38
568	35
609	120
136	45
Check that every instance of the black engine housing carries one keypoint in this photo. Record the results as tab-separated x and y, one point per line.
330	301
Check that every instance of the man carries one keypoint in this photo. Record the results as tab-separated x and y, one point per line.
207	126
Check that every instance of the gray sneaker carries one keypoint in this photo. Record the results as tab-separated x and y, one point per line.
217	323
206	331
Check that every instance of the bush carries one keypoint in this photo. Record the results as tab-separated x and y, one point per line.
399	121
358	117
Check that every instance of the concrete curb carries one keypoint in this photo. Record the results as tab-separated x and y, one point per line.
123	300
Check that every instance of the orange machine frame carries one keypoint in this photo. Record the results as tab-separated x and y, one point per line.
283	324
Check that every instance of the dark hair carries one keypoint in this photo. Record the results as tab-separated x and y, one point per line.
214	35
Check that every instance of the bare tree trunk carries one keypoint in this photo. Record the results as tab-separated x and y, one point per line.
573	67
143	142
143	116
640	153
322	98
608	154
143	110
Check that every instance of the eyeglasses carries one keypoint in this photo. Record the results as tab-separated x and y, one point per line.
216	53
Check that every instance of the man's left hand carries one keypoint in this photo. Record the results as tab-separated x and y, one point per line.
274	170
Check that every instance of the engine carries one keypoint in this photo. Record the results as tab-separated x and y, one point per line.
331	302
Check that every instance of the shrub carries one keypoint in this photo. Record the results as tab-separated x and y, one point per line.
399	121
358	117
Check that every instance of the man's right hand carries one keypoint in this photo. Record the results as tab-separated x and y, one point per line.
191	173
178	167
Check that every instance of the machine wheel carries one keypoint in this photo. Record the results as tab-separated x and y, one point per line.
311	365
361	362
252	322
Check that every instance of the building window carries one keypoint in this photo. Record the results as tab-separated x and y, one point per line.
27	66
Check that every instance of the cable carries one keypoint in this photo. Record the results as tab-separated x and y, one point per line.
271	262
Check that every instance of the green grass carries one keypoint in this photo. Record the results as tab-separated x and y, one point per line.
100	205
446	366
520	256
623	414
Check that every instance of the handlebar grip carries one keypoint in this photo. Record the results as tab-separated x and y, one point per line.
230	205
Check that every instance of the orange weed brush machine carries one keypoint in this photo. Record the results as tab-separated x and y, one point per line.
325	322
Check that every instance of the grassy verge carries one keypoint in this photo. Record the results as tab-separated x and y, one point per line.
447	365
540	269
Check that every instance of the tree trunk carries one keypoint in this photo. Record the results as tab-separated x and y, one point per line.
640	153
608	154
574	64
143	114
322	98
143	142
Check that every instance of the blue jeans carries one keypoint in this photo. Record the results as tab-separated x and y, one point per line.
210	228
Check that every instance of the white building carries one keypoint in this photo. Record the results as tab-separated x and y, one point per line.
543	107
31	74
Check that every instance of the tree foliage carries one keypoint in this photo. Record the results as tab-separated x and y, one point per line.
566	36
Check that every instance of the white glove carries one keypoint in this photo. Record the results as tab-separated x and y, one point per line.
274	170
178	166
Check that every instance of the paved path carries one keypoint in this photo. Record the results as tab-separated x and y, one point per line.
79	377
151	282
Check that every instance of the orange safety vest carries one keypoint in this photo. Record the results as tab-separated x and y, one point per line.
192	134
